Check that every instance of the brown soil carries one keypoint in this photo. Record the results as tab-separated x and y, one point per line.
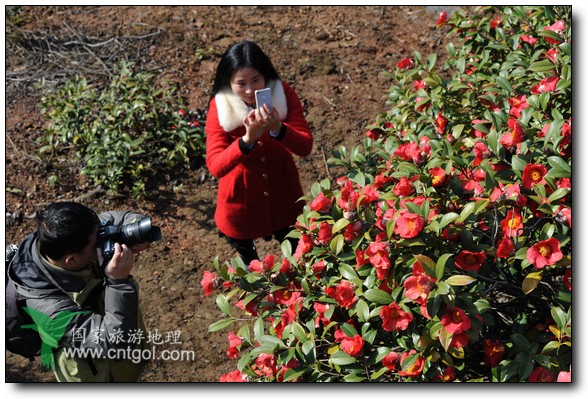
335	58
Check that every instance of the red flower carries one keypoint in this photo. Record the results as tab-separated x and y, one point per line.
390	361
544	253
493	352
415	368
442	20
417	287
505	248
557	27
234	342
517	105
529	39
208	281
408	225
373	134
438	176
343	293
419	84
379	256
564	376
405	63
403	188
470	261
546	85
321	203
250	307
234	376
495	22
352	346
394	318
325	233
440	123
539	374
551	55
318	267
515	135
564	215
320	309
480	151
534	174
265	365
512	224
567	279
456	321
305	245
292	364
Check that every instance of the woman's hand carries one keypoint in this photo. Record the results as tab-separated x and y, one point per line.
259	121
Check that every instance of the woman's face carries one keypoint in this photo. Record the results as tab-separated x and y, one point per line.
244	83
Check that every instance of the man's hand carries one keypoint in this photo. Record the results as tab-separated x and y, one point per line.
121	263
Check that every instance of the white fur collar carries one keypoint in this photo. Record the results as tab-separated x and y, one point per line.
232	110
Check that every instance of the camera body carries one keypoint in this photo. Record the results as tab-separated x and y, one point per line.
130	234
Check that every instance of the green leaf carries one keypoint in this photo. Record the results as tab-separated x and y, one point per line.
341	358
363	311
378	296
223	304
542	66
460	279
340	224
221	324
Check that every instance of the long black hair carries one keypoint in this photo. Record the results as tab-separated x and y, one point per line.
246	54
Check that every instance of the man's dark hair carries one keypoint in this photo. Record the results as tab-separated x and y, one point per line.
246	54
64	227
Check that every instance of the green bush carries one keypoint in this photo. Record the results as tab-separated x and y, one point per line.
125	134
443	252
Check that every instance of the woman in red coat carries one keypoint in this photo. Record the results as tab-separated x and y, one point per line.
250	150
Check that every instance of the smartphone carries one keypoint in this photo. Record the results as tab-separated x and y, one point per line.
263	96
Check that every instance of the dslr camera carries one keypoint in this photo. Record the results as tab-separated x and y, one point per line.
130	234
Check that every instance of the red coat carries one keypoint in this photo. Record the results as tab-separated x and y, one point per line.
258	191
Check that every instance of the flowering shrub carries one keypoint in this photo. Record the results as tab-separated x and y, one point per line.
443	252
124	133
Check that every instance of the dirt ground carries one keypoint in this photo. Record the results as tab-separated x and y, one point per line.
333	56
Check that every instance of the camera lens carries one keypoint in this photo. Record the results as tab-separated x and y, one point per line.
140	232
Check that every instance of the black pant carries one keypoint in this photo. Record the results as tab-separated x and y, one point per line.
247	250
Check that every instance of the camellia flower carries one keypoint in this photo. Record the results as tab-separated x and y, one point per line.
343	293
505	248
325	233
417	287
320	309
442	20
265	365
305	245
413	370
234	342
440	123
512	224
529	39
534	174
544	253
481	152
390	361
394	318
557	27
321	203
517	105
438	175
514	136
208	281
378	254
455	321
551	55
540	374
352	345
493	352
234	376
546	85
408	225
470	261
292	364
405	63
564	376
403	188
